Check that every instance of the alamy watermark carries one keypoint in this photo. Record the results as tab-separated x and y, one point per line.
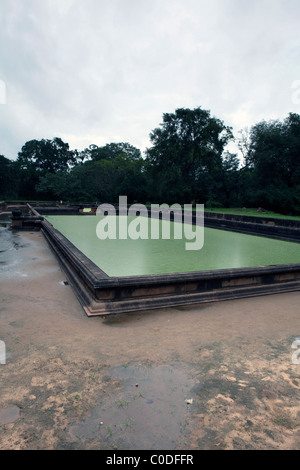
296	354
2	92
187	224
2	353
296	93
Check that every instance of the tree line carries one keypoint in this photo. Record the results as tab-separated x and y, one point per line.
187	162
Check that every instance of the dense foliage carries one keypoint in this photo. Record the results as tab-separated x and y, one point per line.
186	163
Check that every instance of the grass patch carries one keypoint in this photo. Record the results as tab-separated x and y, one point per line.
285	420
251	212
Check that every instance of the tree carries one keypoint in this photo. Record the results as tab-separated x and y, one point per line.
112	151
9	178
273	156
38	158
47	156
119	171
53	186
185	161
103	175
232	188
244	144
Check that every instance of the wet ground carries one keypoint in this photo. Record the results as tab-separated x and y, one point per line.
218	376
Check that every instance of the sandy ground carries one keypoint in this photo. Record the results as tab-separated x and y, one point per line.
217	376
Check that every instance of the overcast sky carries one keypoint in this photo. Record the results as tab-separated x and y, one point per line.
101	71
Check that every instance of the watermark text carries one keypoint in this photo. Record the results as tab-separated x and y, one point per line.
296	93
2	353
2	92
296	354
139	222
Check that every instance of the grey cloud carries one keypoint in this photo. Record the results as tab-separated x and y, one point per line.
98	71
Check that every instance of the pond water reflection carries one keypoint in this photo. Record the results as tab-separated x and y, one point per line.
221	250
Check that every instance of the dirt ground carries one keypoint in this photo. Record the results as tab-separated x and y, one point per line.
216	376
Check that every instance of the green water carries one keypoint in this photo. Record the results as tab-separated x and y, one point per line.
221	250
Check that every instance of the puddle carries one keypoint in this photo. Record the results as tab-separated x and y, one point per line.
5	220
151	410
9	415
12	260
